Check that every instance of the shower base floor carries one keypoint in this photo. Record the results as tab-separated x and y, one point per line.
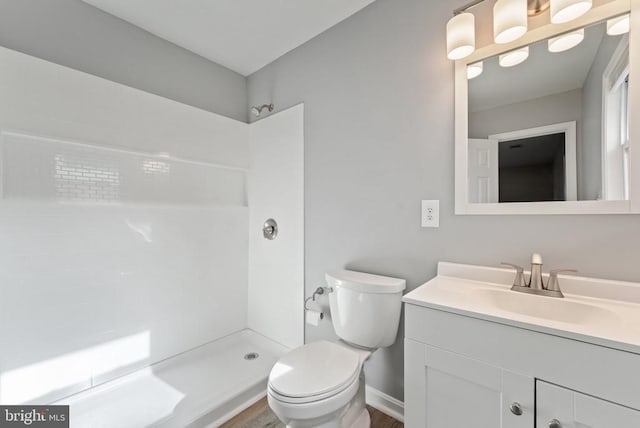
199	388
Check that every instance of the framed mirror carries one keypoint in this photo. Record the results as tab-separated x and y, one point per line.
544	124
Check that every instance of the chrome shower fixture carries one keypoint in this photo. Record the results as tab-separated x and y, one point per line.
256	111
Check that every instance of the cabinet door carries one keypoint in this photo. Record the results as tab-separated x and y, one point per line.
572	409
456	391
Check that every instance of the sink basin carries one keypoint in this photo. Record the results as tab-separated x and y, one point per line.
598	311
548	308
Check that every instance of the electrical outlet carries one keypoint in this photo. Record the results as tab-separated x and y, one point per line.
431	213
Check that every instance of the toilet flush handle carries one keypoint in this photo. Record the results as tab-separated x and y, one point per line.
319	291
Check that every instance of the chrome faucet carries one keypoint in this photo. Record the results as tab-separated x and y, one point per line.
536	283
535	280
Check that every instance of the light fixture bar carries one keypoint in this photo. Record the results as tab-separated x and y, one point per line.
534	7
467	6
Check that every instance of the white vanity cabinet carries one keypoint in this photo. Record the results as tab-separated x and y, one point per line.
467	372
480	355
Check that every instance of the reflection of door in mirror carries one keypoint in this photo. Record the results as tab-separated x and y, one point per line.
483	170
527	165
532	169
538	164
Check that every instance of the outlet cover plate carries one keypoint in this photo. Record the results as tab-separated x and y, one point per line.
430	213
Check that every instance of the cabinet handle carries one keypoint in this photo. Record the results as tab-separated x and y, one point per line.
554	423
516	409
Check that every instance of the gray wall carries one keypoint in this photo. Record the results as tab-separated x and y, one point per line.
556	108
378	94
77	35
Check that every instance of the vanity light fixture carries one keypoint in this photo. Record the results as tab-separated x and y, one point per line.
514	57
474	70
461	36
619	25
566	41
567	10
509	20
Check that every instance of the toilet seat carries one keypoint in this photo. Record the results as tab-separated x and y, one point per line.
313	409
314	372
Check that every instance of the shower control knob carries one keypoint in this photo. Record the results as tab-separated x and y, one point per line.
270	229
554	423
516	408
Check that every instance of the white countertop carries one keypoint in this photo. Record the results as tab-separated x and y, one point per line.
605	313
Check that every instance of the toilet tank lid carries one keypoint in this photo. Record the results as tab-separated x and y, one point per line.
364	282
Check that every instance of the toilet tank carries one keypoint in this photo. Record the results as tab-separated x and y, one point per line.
365	308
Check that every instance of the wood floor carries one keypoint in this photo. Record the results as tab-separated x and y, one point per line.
260	416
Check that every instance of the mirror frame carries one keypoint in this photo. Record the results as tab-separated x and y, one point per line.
461	134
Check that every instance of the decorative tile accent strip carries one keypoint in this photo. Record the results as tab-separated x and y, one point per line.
47	169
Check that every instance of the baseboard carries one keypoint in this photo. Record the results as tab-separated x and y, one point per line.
385	403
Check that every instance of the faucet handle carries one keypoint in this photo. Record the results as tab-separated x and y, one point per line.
553	284
518	281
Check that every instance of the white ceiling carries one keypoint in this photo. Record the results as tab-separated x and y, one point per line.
243	35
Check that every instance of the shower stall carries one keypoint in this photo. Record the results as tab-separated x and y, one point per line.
135	282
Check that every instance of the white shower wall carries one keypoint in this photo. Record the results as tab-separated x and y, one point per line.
276	190
123	229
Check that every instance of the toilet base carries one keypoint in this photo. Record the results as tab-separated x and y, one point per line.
362	421
358	416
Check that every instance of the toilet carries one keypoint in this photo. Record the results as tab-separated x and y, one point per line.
321	384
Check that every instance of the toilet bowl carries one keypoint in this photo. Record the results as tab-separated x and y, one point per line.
318	384
321	384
